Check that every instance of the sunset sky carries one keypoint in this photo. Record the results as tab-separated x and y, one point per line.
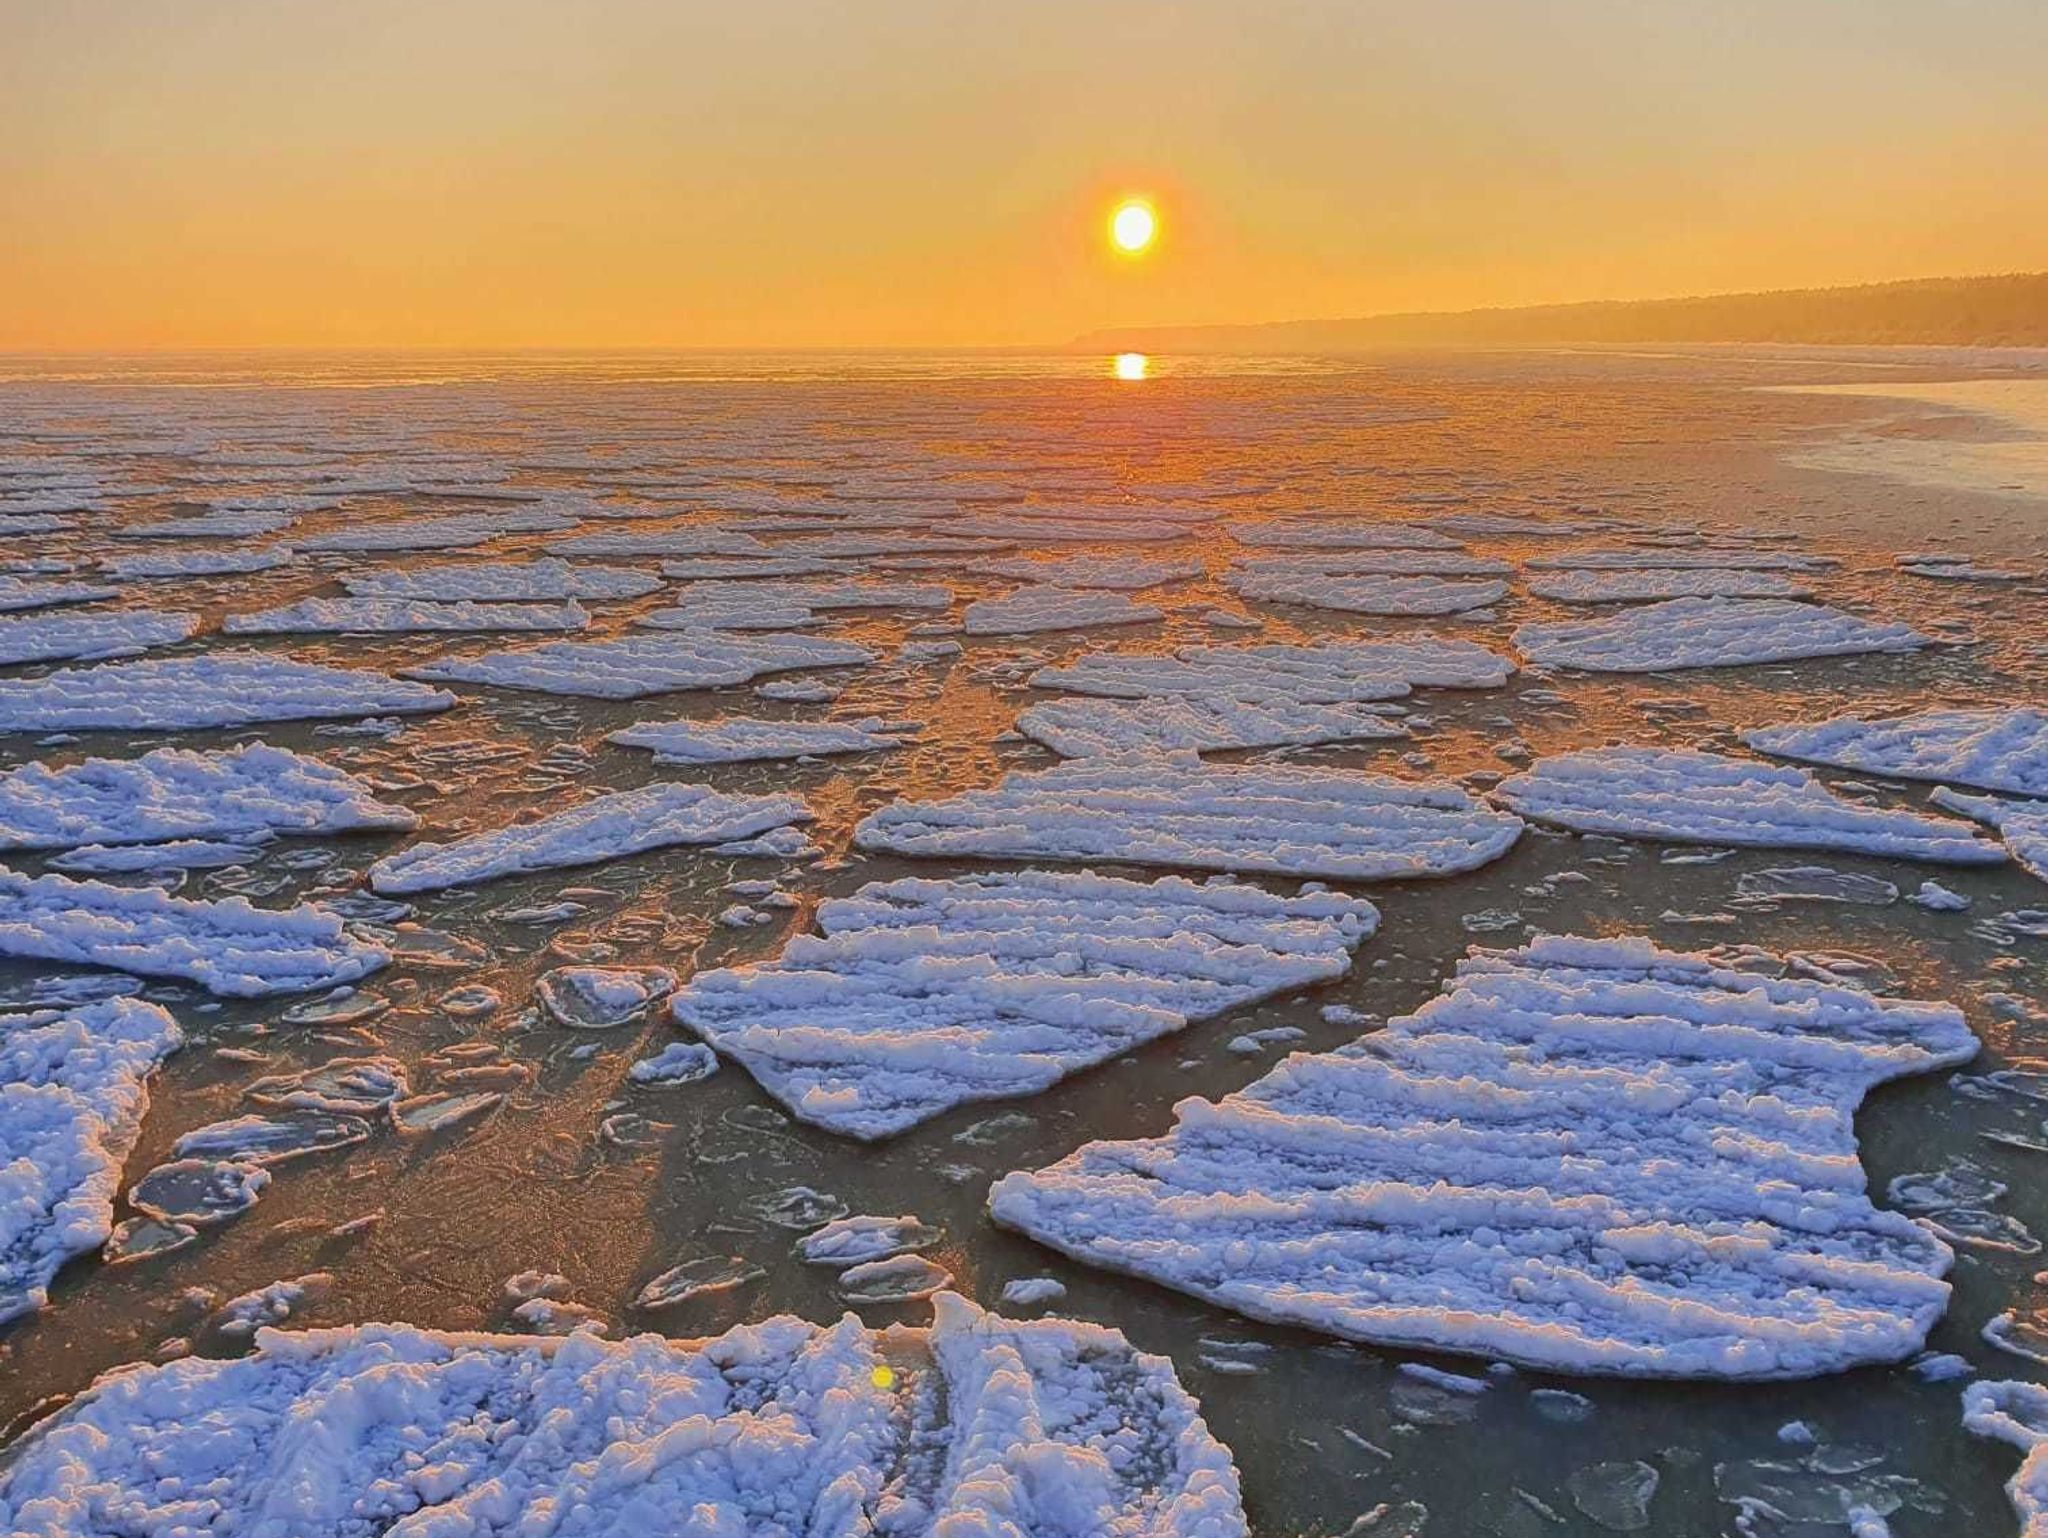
795	173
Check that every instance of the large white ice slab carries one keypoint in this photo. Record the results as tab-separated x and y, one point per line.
604	828
744	739
1656	584
66	637
73	1092
173	793
680	542
1371	563
2022	825
1352	673
1706	798
312	616
1586	1156
1176	811
1032	609
1989	747
1738	558
1092	571
196	563
1366	594
1335	533
218	689
17	596
977	1425
633	666
1709	633
921	995
1097	728
455	532
502	582
227	947
2017	1414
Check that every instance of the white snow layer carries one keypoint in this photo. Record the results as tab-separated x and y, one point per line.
1704	798
1709	633
173	793
1585	1156
920	995
1033	609
72	1097
218	689
1039	1429
16	594
227	947
632	666
1174	810
1365	594
65	637
1347	673
196	563
1732	559
393	615
1092	571
2017	1414
604	828
2023	825
1994	749
1625	586
1098	728
744	739
503	582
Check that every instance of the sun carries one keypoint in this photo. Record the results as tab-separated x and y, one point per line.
1133	227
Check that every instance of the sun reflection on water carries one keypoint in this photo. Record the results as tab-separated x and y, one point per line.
1131	365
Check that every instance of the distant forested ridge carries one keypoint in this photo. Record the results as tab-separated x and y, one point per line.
2005	311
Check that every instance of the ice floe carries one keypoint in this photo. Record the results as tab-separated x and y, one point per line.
2021	825
743	739
456	532
1734	558
676	542
1091	571
173	793
541	581
218	689
195	563
1988	747
1649	584
1039	1427
218	524
1033	609
227	947
1705	798
1365	594
73	1091
2017	1414
1098	728
604	828
393	615
1339	533
1585	1156
1174	810
633	666
1709	632
64	637
919	995
17	595
1344	673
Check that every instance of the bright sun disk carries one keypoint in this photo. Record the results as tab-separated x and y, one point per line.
1133	226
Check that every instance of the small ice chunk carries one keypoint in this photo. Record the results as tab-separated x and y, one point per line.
198	1192
1936	898
272	1140
680	1062
342	1087
848	1241
1032	1291
696	1279
598	998
897	1279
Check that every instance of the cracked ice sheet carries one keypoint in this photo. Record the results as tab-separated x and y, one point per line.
2017	1414
633	666
604	828
1586	1156
1176	811
1315	675
72	1098
541	581
1990	748
226	947
1366	594
397	615
1097	728
777	1427
1030	610
64	637
1709	633
174	793
1704	798
1654	584
749	739
218	689
921	995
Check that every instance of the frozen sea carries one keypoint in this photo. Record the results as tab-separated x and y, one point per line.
760	538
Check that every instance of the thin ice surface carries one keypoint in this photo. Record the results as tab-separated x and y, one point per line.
1199	723
633	666
604	828
1176	811
72	1097
174	793
742	739
1991	748
64	637
1709	633
227	947
920	995
219	689
777	1427
1587	1156
1705	798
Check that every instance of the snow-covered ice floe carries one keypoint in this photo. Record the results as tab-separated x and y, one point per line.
17	595
396	615
1586	1156
456	532
1366	594
1098	728
1174	810
744	739
1339	533
678	542
2017	1414
1709	633
1372	563
1705	798
976	1424
173	793
219	689
604	828
1092	571
920	995
73	1092
1736	558
541	581
1045	607
1643	585
195	563
633	666
63	637
226	947
1988	747
2022	825
1345	673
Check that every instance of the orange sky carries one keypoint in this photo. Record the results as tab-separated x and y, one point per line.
797	173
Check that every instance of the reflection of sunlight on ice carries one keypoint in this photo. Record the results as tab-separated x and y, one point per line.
1131	365
2015	463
